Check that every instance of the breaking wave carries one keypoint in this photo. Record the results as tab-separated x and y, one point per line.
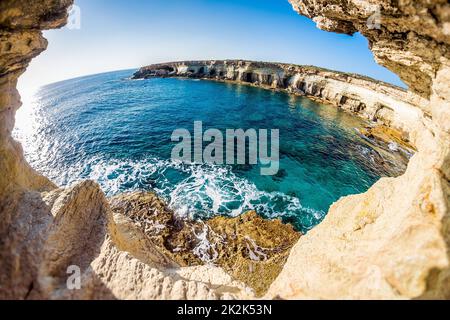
192	191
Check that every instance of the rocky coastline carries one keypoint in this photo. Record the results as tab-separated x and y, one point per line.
249	248
391	242
383	105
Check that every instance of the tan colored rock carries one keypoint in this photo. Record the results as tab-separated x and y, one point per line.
80	230
378	245
44	230
249	248
408	37
40	14
391	242
394	240
25	218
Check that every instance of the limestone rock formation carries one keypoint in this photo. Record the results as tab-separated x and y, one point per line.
85	233
25	217
250	248
391	242
45	230
373	100
76	227
394	240
409	37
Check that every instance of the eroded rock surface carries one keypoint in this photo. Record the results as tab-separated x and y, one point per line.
25	218
249	248
45	230
409	37
394	240
391	242
115	258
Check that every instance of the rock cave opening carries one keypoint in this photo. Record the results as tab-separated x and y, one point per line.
363	229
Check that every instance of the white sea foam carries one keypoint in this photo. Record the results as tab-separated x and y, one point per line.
393	146
256	253
205	249
202	191
197	191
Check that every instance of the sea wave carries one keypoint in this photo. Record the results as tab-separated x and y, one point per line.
193	191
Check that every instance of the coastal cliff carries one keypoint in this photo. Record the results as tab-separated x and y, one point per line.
376	101
391	242
44	230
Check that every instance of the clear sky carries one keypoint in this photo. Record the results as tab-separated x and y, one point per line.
125	34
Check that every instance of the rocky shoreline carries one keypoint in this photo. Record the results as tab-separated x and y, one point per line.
391	242
379	104
382	104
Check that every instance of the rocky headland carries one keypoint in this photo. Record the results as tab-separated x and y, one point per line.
391	242
389	110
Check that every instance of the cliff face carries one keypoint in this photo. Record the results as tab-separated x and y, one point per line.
391	242
372	100
408	37
45	230
23	217
411	38
394	240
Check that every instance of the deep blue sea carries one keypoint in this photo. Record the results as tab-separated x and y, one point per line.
118	132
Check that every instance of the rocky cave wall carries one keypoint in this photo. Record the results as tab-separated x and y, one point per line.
391	242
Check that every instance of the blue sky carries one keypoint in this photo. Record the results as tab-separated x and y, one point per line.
123	34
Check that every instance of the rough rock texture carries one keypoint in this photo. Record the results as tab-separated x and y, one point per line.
409	37
44	230
24	216
76	227
86	233
250	248
394	240
391	242
379	102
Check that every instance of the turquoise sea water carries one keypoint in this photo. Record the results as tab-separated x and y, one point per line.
117	132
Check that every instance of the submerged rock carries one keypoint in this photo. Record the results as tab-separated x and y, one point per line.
393	137
390	149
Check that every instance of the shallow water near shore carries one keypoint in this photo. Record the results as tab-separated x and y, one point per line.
118	132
